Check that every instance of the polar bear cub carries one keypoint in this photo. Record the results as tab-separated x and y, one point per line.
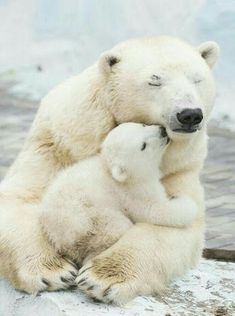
91	204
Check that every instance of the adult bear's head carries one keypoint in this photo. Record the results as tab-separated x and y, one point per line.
161	80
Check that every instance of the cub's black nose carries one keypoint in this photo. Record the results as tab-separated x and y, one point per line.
163	132
190	117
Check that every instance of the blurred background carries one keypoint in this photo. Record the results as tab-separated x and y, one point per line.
42	42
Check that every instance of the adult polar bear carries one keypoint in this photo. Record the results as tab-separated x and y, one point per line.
150	80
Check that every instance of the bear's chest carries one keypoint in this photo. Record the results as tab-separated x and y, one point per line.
174	160
184	155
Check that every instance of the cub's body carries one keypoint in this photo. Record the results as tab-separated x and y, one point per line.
93	203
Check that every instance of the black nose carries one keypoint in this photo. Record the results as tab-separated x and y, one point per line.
163	132
190	117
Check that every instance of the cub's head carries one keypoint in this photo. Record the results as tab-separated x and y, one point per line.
161	80
134	151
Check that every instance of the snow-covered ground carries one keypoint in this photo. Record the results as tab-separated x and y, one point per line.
43	42
208	290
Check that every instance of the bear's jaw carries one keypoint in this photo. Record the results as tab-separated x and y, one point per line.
186	129
185	152
186	135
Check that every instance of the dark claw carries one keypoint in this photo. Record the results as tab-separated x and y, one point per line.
107	291
66	280
90	288
84	271
96	300
71	262
73	274
73	287
81	281
76	266
46	282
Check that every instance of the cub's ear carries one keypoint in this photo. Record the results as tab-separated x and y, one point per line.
210	52
119	173
108	61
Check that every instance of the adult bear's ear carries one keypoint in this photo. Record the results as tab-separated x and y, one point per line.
108	61
210	52
119	173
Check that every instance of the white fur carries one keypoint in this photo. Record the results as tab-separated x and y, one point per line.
90	198
72	121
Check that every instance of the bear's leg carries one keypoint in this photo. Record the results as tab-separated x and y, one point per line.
78	230
142	262
109	226
26	259
147	257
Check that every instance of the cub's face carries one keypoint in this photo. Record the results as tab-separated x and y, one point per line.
134	150
162	81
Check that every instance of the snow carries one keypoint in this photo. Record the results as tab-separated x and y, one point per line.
203	291
44	42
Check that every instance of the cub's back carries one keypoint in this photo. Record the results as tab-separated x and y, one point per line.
85	181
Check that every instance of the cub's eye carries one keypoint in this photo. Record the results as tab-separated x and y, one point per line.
155	84
143	146
155	81
196	81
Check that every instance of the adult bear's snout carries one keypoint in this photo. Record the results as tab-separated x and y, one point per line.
190	117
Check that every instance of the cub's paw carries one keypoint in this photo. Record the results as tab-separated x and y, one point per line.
49	275
108	279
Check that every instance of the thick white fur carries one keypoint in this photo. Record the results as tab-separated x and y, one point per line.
89	206
71	123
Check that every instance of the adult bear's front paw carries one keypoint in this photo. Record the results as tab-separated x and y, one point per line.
52	275
110	279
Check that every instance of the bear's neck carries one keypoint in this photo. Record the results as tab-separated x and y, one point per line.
149	178
185	154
